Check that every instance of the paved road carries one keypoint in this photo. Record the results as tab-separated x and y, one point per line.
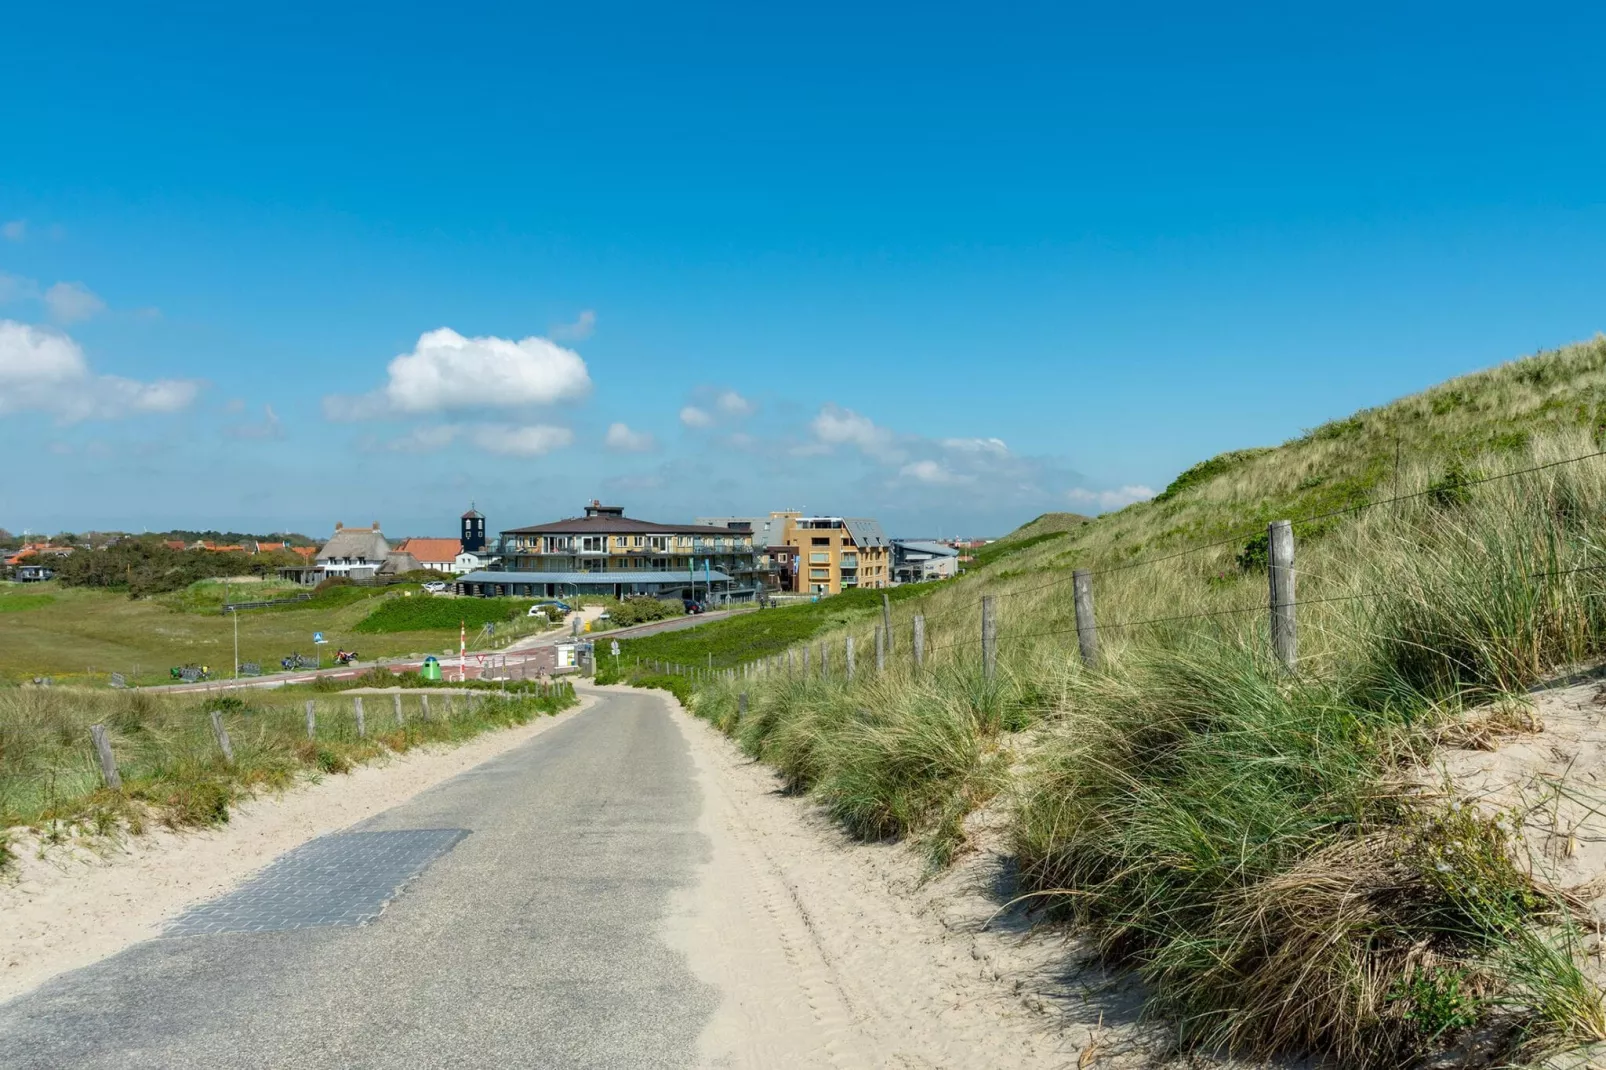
529	936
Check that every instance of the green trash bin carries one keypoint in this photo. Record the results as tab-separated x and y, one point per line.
431	669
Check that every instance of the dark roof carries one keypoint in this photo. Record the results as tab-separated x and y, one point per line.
473	514
865	532
617	525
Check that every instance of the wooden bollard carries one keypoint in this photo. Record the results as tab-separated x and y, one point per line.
396	703
920	640
989	637
424	702
1280	552
222	735
108	762
312	721
356	708
1087	629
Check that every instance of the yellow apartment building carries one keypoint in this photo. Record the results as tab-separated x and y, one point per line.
838	553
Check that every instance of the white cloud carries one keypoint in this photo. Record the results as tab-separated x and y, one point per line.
268	428
69	302
623	440
731	403
45	371
578	331
976	445
446	371
692	416
531	441
15	230
836	426
934	473
1107	500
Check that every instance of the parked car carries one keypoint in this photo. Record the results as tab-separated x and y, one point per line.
540	608
437	587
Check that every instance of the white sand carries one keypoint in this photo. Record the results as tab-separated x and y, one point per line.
75	904
833	953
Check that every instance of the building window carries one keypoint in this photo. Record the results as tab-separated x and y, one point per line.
593	544
819	573
850	560
819	559
819	541
636	541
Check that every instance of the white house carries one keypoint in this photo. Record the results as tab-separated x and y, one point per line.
354	553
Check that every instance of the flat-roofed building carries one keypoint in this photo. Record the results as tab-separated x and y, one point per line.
606	552
839	553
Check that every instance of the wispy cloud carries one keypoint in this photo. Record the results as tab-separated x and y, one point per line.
1108	500
70	302
14	230
692	416
621	439
582	328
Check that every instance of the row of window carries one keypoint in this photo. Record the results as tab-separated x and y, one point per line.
596	544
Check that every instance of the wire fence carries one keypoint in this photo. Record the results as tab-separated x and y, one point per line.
1282	608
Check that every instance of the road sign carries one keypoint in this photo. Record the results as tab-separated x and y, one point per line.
317	637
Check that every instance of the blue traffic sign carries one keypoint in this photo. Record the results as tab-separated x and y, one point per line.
317	637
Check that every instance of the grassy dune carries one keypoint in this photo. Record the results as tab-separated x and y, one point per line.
173	771
1247	842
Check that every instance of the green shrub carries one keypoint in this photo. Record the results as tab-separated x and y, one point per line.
422	613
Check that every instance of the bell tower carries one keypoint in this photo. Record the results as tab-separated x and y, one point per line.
473	530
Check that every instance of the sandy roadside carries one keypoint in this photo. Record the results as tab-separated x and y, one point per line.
78	903
835	953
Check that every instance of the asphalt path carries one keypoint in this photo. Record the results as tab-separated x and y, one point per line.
534	941
513	653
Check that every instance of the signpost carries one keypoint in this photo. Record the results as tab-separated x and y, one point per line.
317	641
615	648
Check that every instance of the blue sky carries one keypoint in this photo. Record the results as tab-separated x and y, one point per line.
947	266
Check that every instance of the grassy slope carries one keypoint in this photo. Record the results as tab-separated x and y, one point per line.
1233	838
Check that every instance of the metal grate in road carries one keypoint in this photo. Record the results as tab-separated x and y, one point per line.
341	879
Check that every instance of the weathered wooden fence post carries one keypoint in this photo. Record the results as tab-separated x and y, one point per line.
989	637
886	618
424	701
880	651
848	653
356	708
312	721
108	762
395	701
825	658
1280	553
1087	631
222	735
920	640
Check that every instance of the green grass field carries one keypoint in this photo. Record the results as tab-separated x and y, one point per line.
84	634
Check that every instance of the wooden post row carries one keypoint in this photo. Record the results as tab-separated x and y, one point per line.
1284	638
1087	632
989	637
108	763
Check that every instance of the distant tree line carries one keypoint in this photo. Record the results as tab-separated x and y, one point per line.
142	565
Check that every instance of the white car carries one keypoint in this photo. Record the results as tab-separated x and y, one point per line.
437	587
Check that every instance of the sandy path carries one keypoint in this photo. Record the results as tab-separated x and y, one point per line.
833	953
82	902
